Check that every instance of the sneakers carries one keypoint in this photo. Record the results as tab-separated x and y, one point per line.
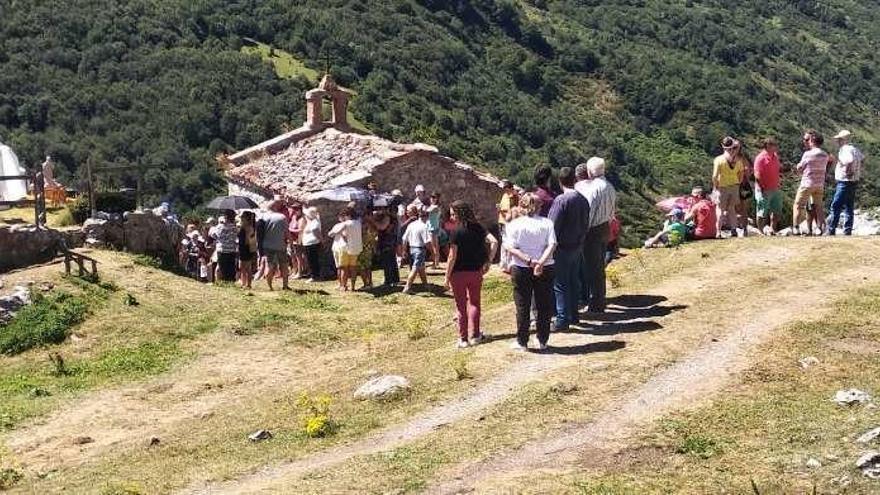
516	347
462	344
407	290
542	347
477	340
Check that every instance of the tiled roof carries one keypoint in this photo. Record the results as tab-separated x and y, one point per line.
321	161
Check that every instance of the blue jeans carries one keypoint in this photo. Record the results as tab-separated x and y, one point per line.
844	201
566	285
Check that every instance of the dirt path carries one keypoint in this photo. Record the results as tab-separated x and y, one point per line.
678	289
682	385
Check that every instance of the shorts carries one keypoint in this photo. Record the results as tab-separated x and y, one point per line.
768	202
728	198
417	255
809	195
344	260
276	259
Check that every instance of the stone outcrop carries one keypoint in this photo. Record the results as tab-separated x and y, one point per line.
25	245
139	232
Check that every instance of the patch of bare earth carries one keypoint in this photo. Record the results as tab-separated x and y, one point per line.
681	386
121	417
683	289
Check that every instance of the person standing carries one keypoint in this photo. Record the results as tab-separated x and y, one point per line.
247	248
727	174
297	257
274	243
811	192
368	250
544	189
312	238
570	214
422	201
434	211
471	250
847	174
767	180
225	236
387	242
347	245
416	239
508	201
602	198
531	241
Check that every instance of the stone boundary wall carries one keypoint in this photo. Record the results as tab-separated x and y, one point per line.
25	245
138	232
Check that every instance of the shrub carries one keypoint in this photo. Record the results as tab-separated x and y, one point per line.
315	415
613	276
459	365
416	325
699	446
9	477
46	321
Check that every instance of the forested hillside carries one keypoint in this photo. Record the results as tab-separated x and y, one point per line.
503	84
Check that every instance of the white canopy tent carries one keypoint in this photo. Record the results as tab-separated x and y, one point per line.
11	190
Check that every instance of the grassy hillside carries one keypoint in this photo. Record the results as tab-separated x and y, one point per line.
503	84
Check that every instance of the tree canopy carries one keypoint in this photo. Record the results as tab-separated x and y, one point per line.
652	85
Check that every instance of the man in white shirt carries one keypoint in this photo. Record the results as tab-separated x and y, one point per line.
847	173
602	197
416	239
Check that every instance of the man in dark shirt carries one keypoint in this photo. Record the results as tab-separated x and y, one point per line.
570	213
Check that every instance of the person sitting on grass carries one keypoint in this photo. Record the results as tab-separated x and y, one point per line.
703	215
673	234
416	240
344	240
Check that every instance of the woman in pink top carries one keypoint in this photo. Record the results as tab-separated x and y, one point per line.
703	214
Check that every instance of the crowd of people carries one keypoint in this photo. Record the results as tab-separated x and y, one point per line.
739	183
554	239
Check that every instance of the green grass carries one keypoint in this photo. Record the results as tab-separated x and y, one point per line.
766	427
47	321
288	66
55	217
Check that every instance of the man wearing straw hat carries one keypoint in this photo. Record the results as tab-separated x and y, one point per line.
847	173
728	172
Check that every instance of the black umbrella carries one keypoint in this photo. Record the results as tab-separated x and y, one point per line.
231	203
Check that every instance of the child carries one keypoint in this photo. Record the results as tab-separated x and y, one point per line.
673	233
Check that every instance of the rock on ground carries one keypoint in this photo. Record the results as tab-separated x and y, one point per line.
869	436
869	463
386	387
851	396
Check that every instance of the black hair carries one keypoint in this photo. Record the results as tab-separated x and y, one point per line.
567	177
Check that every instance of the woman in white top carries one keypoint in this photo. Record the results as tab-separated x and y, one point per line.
531	240
311	241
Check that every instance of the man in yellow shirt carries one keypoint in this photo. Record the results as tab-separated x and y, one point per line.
505	204
727	174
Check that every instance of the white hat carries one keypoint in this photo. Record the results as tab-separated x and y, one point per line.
844	134
420	188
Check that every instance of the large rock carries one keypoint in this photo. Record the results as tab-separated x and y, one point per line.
147	233
851	396
25	245
139	232
383	388
9	305
103	232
